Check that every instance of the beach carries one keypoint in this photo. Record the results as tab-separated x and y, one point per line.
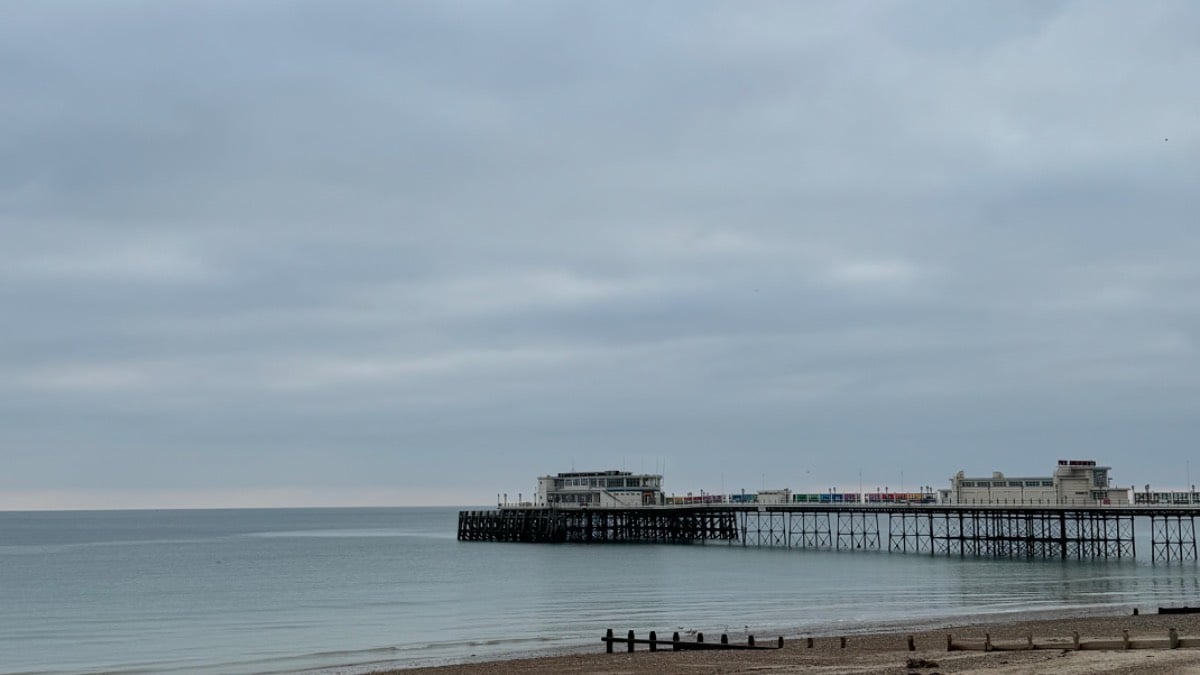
886	652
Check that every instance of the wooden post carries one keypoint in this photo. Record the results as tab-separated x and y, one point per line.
653	641
809	643
781	642
608	639
1031	640
675	641
699	637
1125	638
987	642
750	640
631	641
843	642
1174	637
949	642
724	639
1135	611
1075	640
912	645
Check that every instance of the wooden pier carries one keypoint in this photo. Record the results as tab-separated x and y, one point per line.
1070	532
645	525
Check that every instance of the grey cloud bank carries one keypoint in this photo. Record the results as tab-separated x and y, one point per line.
399	253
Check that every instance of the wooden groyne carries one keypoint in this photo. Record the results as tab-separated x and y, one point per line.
1171	641
1077	532
683	645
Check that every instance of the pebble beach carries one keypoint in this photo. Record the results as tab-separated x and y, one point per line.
886	652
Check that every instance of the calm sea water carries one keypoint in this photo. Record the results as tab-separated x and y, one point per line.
351	590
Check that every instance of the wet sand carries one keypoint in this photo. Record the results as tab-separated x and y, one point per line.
886	652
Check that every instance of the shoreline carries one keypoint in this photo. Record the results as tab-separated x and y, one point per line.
882	648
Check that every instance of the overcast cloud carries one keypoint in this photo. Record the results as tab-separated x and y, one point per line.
281	253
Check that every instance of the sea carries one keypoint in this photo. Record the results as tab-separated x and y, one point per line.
357	590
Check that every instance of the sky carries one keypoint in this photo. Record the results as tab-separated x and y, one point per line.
403	253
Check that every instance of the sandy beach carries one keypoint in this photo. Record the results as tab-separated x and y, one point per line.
886	652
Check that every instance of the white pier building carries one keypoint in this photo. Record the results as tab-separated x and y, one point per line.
1075	481
600	489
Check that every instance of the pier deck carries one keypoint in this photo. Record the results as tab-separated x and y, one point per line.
1015	531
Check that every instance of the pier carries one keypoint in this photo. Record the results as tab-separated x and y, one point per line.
1018	531
664	525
